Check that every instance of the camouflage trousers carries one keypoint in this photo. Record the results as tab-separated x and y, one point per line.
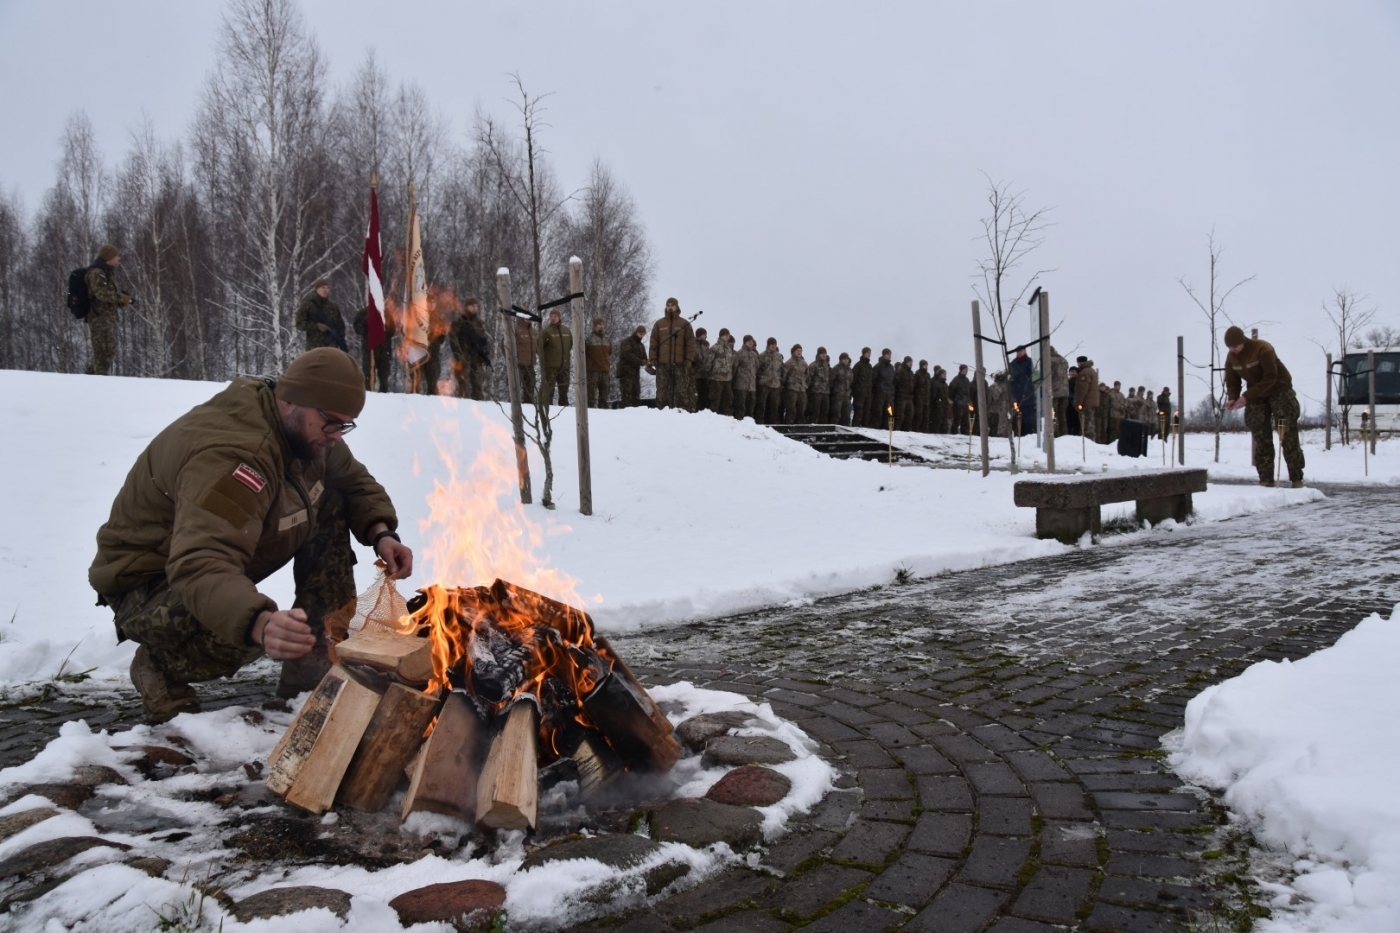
631	389
743	404
474	380
185	650
861	415
674	387
721	397
903	414
838	406
599	388
920	416
1263	417
382	363
102	337
770	399
795	406
701	395
1088	423
550	378
817	403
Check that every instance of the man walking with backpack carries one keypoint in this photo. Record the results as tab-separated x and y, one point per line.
104	299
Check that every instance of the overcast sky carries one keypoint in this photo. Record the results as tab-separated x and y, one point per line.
814	171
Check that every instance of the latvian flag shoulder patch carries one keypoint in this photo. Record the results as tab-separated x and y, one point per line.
249	477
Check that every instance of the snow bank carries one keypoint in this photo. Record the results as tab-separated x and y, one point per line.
1306	753
695	516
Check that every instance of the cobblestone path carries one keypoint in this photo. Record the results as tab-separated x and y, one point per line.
998	730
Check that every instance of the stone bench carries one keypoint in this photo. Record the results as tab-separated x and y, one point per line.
1067	506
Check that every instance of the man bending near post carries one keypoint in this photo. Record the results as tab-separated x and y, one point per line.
1270	406
224	497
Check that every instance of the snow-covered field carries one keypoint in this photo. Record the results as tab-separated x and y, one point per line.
1307	755
1342	464
695	516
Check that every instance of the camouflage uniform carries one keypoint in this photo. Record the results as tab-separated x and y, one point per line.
672	353
597	351
839	398
938	404
1117	405
1271	406
998	406
721	377
526	341
700	376
903	397
1059	390
630	360
818	390
795	390
923	387
103	301
382	359
556	343
745	382
861	375
473	355
770	385
315	313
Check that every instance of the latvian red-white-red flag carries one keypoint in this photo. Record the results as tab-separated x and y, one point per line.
373	267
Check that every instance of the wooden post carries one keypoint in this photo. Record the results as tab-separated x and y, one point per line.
517	419
393	736
981	388
445	775
1181	399
507	794
373	184
1327	426
1371	388
1047	386
309	761
585	470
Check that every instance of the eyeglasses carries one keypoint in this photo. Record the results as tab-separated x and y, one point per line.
334	425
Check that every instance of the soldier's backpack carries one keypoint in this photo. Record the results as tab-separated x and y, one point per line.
79	301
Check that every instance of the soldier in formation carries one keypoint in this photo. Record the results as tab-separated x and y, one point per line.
597	351
472	352
319	319
104	301
630	360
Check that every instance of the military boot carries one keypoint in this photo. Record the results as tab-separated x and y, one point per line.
163	697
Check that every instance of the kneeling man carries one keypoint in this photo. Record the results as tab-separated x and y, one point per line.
222	498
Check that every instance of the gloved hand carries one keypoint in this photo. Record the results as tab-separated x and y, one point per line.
322	328
651	370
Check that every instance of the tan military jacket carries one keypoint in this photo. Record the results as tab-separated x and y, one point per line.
1258	366
216	503
672	341
1086	387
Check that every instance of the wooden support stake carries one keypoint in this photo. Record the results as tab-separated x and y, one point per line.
1181	401
408	657
1047	384
445	775
517	418
309	762
393	737
981	387
585	470
507	795
1328	423
1371	402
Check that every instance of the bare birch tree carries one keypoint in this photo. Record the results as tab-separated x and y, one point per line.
1347	314
1213	308
261	129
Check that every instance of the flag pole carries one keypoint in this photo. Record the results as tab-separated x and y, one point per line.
373	184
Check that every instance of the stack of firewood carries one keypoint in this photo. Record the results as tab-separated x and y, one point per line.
477	691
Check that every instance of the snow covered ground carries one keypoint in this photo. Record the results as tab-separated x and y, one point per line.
171	819
1342	464
1306	754
695	516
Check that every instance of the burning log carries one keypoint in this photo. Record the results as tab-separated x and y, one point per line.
445	774
507	795
623	710
393	737
597	765
309	762
407	658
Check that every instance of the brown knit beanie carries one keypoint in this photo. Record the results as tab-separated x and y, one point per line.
1234	336
107	252
324	378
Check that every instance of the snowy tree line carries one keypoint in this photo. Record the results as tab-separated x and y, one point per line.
223	232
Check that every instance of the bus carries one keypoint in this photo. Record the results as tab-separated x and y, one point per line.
1354	387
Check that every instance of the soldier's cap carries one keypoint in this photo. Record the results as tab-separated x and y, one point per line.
107	252
321	283
1234	336
641	329
597	320
1082	359
324	378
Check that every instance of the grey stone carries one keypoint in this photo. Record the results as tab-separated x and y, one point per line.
886	784
96	775
278	902
958	908
745	750
801	843
1130	920
747	921
995	860
721	892
912	879
857	915
152	865
941	833
698	730
467	905
1060	801
1054	894
810	892
700	822
1069	844
1005	816
1118	800
994	778
63	796
870	842
616	850
944	792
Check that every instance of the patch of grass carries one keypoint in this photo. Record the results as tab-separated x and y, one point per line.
903	576
187	915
